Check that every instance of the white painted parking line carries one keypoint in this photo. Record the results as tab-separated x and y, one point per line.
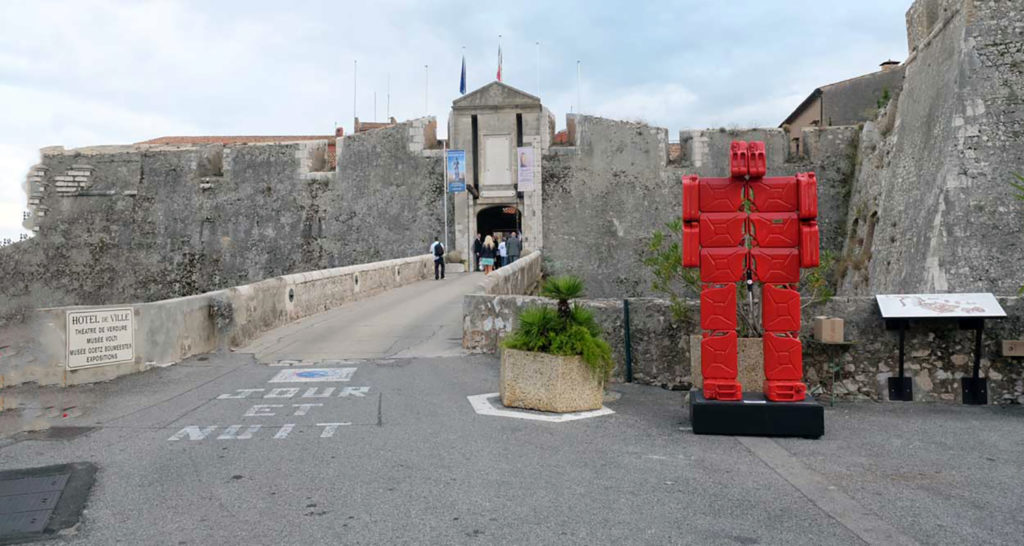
483	405
283	432
329	428
313	375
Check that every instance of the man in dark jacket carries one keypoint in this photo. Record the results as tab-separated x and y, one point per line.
478	245
437	249
515	248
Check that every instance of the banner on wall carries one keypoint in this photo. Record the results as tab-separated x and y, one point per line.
456	170
524	158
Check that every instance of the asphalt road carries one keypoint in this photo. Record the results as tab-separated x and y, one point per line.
202	452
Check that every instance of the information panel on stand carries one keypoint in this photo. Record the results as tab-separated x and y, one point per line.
923	306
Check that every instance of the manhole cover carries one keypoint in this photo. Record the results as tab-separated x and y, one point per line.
35	502
57	433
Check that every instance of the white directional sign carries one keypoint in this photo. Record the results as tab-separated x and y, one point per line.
97	337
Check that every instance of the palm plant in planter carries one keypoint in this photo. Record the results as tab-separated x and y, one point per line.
555	360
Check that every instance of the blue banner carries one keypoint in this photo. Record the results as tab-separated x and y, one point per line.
456	170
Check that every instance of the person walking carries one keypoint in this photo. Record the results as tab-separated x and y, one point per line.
437	249
503	253
487	252
477	245
514	247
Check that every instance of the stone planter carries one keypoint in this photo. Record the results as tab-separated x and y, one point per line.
544	382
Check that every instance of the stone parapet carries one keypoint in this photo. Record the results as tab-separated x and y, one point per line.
938	353
171	330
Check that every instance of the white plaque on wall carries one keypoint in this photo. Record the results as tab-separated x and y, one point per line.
97	337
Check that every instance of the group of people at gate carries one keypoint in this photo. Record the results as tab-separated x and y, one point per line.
489	253
493	252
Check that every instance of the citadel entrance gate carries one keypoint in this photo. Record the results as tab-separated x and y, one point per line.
498	219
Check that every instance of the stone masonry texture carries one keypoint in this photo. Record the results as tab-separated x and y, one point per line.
932	208
153	222
605	197
938	353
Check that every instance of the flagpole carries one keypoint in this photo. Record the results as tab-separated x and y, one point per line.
389	97
426	86
579	106
538	69
499	58
444	185
355	75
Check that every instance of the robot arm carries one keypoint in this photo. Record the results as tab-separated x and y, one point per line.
691	219
807	186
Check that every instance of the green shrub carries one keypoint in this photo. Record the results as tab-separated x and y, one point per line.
565	331
663	257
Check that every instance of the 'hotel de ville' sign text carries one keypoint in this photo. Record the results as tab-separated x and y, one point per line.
100	336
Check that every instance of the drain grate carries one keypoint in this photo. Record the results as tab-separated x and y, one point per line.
35	502
57	433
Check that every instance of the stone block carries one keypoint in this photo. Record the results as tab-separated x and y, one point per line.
1013	347
78	173
544	382
64	178
828	329
751	363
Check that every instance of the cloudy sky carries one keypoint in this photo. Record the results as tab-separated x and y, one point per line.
86	72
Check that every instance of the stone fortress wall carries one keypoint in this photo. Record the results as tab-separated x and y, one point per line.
605	195
932	209
913	201
137	223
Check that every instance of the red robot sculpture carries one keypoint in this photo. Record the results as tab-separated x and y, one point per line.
751	228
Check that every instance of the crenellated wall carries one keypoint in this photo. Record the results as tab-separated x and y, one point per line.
149	222
605	196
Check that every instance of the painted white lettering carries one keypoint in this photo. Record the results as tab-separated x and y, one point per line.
358	392
303	408
240	393
283	433
231	433
193	433
311	392
262	410
329	428
285	392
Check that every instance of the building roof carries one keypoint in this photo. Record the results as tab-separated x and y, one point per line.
848	101
248	139
496	94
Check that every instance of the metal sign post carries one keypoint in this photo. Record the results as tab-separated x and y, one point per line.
444	184
970	310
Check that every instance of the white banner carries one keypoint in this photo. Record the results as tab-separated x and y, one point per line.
524	155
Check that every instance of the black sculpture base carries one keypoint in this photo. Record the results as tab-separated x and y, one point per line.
974	391
756	416
901	389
